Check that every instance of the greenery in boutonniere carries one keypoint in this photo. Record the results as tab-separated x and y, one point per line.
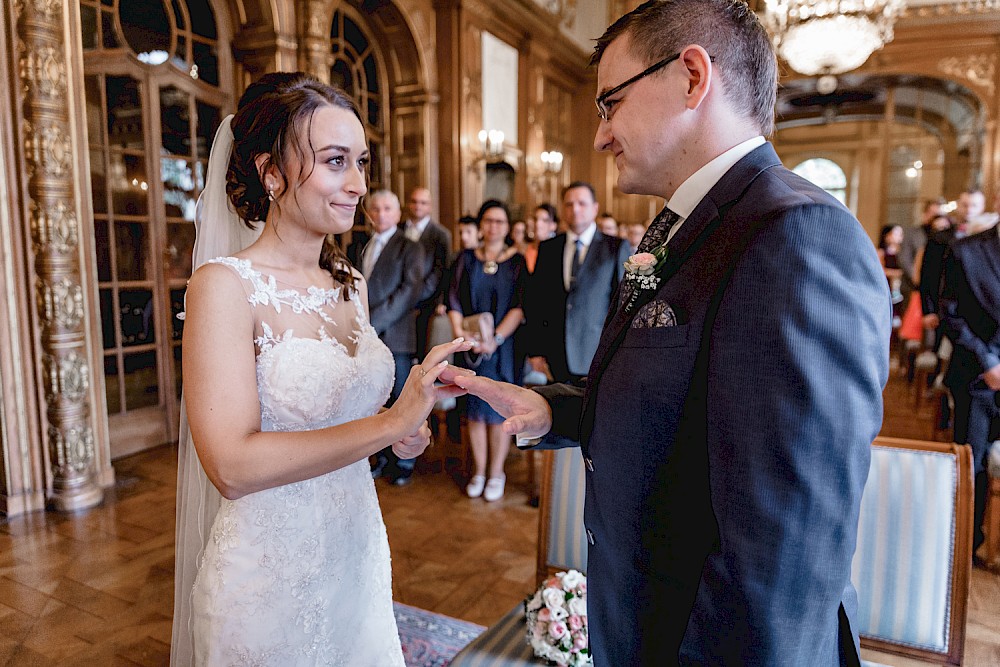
642	268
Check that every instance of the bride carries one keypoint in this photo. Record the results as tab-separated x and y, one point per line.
284	378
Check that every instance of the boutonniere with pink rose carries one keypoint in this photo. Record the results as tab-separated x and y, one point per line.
642	268
557	620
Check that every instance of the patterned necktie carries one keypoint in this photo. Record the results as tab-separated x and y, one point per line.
574	267
658	230
657	233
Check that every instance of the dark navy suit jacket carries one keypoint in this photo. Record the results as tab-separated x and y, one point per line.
565	326
727	454
970	317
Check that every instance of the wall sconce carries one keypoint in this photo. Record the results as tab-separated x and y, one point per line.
552	162
491	142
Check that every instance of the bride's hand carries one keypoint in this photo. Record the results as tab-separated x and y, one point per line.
419	394
414	444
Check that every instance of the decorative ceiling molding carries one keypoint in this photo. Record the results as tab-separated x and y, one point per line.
978	69
945	9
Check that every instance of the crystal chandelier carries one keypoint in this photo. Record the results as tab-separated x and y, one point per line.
829	36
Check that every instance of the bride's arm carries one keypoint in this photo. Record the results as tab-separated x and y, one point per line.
223	409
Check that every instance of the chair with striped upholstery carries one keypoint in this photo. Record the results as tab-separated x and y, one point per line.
562	545
914	556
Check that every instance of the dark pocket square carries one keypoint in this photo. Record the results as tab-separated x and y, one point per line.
653	315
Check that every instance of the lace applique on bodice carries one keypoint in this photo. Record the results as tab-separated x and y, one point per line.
299	574
300	350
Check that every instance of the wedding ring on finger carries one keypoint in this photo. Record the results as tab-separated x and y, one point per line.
422	371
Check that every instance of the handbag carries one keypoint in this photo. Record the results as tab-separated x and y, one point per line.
480	328
912	327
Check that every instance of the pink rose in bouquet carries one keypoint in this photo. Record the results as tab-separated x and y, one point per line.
556	618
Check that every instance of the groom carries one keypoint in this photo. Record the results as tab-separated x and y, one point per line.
728	413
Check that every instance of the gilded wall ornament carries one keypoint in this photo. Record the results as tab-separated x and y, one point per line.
959	8
49	9
54	227
73	448
68	377
979	69
61	303
48	149
43	72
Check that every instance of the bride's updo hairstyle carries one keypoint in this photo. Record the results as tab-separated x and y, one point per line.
274	116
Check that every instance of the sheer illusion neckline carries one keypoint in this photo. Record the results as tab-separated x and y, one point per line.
311	300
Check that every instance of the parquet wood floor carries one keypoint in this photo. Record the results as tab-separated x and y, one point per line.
97	588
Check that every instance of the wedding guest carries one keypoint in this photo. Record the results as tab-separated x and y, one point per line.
575	278
890	240
607	224
394	268
436	241
970	313
545	221
518	237
633	235
468	233
489	279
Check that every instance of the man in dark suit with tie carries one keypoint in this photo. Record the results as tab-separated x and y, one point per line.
728	415
970	315
436	242
575	277
394	269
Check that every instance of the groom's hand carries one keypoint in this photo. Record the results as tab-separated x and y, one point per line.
525	411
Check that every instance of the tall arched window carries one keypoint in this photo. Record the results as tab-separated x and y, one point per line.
153	75
826	174
358	69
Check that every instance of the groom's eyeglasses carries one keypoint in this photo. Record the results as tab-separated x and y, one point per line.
605	107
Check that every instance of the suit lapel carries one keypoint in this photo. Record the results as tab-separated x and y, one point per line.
388	253
693	232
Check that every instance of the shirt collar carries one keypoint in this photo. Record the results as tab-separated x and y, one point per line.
587	236
420	224
693	190
384	237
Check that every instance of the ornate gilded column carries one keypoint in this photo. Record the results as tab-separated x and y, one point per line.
315	43
52	206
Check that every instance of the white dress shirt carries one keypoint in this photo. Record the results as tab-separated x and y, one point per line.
693	190
569	252
414	230
374	249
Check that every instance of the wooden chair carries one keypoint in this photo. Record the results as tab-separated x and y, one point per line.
992	515
562	545
914	556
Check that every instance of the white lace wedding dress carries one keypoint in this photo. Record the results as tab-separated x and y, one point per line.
300	574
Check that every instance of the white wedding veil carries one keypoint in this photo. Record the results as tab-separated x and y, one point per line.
219	232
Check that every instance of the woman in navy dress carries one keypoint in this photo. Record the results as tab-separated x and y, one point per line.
490	278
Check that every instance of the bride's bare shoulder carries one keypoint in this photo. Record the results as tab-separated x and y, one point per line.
216	287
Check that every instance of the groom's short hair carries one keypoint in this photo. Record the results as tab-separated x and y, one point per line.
730	32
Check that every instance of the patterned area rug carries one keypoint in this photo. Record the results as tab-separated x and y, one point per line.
429	639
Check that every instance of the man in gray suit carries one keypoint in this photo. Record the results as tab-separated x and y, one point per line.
575	276
394	268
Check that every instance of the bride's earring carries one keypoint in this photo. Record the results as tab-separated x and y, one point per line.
270	195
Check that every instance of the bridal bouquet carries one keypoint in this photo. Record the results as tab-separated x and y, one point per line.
557	620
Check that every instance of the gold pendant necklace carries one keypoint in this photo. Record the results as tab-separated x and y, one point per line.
490	266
